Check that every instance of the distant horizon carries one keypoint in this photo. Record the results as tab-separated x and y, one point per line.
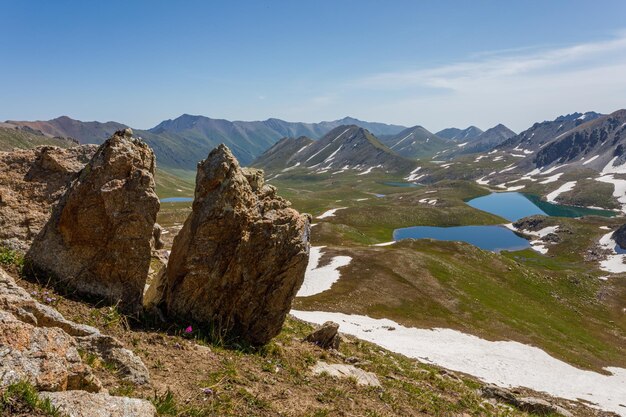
434	131
444	64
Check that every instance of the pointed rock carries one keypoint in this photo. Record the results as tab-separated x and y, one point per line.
97	241
240	257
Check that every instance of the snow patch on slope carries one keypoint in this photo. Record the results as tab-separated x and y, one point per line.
504	363
568	186
319	279
330	213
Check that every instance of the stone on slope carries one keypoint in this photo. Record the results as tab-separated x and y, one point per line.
17	305
46	357
85	404
240	258
541	407
97	241
326	336
31	181
339	370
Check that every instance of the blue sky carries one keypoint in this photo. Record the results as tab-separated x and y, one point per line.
438	64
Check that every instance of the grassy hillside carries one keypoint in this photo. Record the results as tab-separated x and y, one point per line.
555	302
11	138
174	183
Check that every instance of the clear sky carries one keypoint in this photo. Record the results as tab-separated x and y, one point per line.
434	63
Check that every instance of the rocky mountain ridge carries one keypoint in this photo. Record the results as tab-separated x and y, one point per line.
417	142
484	142
345	148
460	135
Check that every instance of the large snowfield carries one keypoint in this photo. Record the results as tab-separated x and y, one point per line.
504	363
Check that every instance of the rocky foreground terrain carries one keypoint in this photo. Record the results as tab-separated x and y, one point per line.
214	338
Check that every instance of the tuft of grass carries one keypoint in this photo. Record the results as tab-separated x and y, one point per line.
23	395
165	404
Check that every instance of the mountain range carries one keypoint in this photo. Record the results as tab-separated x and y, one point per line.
180	143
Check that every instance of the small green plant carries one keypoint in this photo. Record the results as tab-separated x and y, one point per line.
23	395
11	257
125	389
165	404
322	412
159	365
95	361
109	317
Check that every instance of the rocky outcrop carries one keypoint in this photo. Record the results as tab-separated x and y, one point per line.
326	337
620	236
31	182
46	357
240	257
84	404
536	406
532	223
28	317
97	240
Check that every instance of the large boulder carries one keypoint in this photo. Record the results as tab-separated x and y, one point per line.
98	239
31	182
240	258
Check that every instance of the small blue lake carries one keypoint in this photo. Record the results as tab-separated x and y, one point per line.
514	206
494	238
511	206
177	200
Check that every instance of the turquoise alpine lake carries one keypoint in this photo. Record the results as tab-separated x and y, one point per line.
514	206
494	238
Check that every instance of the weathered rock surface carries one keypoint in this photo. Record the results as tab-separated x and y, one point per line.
84	404
157	242
46	357
326	337
97	241
536	406
541	407
31	181
241	255
620	236
21	311
339	370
